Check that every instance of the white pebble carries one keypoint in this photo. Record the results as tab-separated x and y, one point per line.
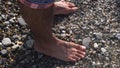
0	44
103	50
95	45
6	41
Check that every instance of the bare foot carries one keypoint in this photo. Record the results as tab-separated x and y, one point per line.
63	7
66	51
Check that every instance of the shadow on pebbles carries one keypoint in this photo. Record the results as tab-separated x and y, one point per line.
95	25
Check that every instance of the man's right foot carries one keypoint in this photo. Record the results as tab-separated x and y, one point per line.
66	51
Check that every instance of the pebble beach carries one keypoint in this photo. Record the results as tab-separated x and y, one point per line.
96	25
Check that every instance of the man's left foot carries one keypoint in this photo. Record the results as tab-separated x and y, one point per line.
63	7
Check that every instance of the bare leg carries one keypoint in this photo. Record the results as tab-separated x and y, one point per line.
40	22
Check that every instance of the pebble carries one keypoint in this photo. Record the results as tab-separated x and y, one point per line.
0	18
9	3
29	43
4	52
6	41
93	63
0	44
86	41
95	45
0	1
21	21
103	50
118	36
15	46
1	61
6	22
98	35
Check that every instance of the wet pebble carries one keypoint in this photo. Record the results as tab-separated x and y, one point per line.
29	43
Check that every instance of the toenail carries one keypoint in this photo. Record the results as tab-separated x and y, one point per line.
83	53
83	47
82	56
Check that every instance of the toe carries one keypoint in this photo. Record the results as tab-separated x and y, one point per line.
81	52
76	57
81	48
80	55
72	59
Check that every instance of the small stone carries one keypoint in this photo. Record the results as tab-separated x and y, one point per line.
107	58
0	44
6	41
63	35
0	18
9	3
6	22
12	20
15	46
98	35
21	21
1	61
103	50
29	43
86	41
62	27
0	1
4	52
118	36
95	45
93	63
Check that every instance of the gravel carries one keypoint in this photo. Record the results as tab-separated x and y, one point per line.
96	25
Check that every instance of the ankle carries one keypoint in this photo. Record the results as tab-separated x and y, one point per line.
49	40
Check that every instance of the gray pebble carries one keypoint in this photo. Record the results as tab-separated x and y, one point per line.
4	52
1	61
118	36
6	41
0	18
86	41
103	50
98	35
29	43
21	21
